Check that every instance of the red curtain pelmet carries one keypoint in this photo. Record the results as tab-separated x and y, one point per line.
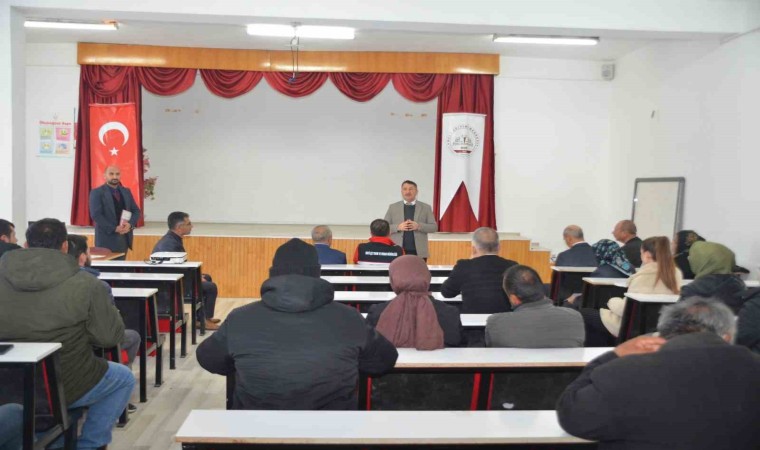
455	93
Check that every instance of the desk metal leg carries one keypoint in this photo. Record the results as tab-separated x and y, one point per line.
484	391
180	295
172	330
30	371
143	321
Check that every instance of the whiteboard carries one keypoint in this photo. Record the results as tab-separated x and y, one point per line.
264	157
658	206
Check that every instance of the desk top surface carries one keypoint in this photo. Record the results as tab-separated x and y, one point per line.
133	292
372	427
468	320
594	281
127	276
573	269
338	279
381	296
143	264
28	352
479	357
653	298
375	267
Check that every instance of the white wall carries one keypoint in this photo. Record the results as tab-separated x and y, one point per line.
264	157
52	80
552	122
12	42
706	103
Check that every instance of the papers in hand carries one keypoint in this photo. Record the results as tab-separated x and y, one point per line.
125	216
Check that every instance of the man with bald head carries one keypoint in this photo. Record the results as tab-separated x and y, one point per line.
108	205
625	232
479	278
322	236
579	253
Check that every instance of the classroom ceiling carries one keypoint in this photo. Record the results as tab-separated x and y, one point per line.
218	31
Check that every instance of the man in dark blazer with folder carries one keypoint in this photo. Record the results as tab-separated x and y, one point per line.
107	203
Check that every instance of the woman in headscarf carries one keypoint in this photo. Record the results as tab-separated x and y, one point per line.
414	319
612	260
682	242
658	275
713	265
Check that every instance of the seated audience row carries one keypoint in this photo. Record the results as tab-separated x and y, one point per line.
45	297
687	388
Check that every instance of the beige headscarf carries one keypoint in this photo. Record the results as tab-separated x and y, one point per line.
410	320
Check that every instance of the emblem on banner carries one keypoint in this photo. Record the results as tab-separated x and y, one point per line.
462	140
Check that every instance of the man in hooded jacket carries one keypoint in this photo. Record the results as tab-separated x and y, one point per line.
46	298
296	349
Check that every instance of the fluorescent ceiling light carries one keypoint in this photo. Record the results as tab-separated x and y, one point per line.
71	25
553	40
305	31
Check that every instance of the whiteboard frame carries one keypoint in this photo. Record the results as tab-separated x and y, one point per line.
679	203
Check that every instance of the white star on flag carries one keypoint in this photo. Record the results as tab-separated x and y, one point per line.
114	152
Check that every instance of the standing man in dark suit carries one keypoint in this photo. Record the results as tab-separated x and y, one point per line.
625	232
107	203
689	388
411	221
321	235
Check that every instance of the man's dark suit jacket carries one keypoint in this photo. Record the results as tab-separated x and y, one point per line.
632	250
329	255
697	392
103	213
479	280
579	255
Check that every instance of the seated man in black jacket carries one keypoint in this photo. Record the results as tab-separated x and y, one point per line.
8	239
688	389
180	226
380	248
296	349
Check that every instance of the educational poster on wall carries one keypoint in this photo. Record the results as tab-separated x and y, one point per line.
56	139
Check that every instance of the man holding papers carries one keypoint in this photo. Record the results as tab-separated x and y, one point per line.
115	213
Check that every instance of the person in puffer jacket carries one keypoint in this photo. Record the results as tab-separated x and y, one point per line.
296	349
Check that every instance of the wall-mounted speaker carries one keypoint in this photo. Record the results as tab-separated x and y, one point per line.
608	72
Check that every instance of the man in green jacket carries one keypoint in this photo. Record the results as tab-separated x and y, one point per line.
46	298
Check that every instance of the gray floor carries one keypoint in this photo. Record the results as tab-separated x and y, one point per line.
188	387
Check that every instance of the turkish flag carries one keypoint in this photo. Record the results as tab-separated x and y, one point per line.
113	142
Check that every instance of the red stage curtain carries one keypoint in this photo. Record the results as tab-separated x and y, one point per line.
473	94
419	87
230	83
306	83
100	84
164	81
360	86
456	93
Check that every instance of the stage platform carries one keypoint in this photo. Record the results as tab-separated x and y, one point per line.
238	256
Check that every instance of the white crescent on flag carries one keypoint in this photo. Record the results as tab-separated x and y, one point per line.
118	126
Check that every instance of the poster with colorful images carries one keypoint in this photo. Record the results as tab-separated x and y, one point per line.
56	138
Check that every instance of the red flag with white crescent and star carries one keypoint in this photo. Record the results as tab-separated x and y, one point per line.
113	142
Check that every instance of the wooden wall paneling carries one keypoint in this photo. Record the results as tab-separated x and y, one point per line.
239	265
281	61
386	62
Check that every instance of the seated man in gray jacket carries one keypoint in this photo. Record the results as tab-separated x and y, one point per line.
534	321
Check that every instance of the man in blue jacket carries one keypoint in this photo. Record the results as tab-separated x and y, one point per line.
321	235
